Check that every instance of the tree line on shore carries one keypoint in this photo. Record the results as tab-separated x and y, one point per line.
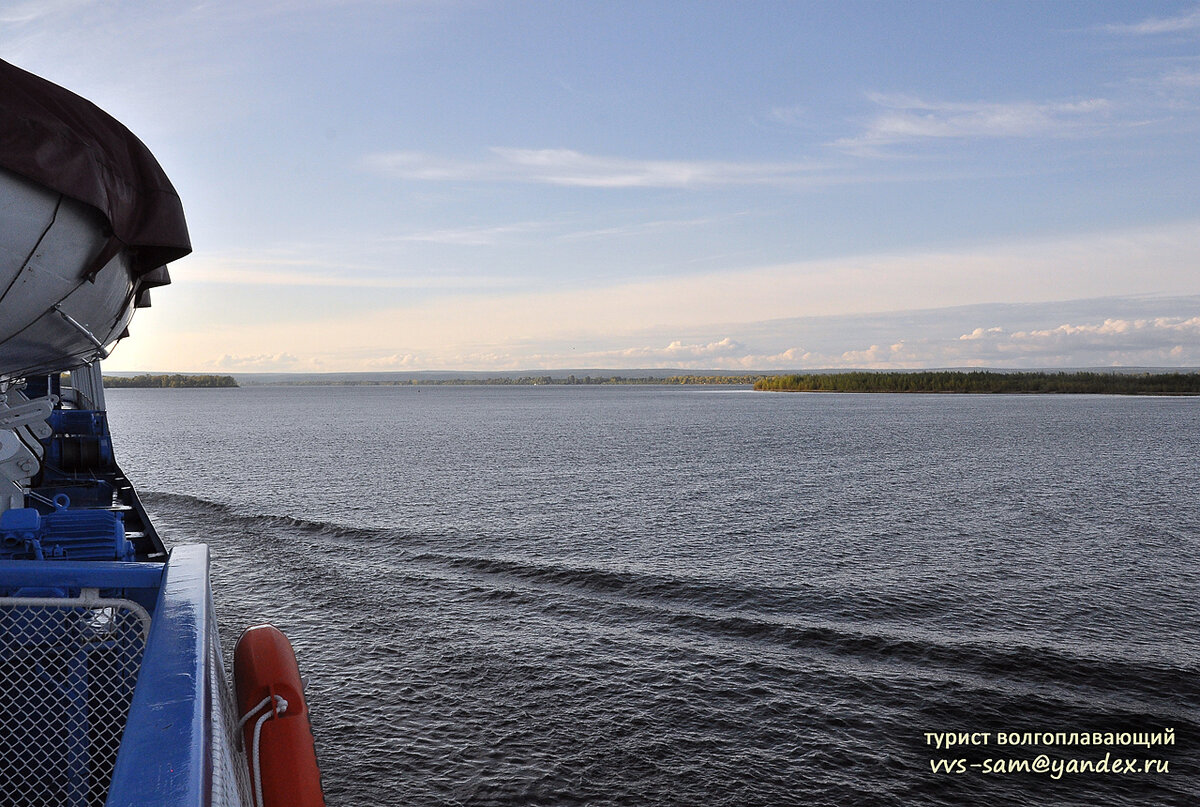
528	381
169	380
988	382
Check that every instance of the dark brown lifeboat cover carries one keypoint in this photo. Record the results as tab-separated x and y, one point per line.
66	143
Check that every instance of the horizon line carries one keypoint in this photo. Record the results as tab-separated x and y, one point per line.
675	371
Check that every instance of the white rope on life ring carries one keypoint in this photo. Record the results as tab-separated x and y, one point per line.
281	706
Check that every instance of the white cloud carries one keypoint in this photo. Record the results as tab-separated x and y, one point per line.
1119	335
677	349
167	68
790	115
1188	21
20	13
263	362
396	361
691	317
468	236
719	354
288	268
420	166
566	167
1046	335
980	333
1154	342
907	118
1181	78
636	229
1111	333
1157	341
1160	260
1151	341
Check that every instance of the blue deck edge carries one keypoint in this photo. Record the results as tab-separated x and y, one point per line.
165	757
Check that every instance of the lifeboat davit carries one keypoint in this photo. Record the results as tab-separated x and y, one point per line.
275	724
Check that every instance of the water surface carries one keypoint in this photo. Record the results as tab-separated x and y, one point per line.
685	596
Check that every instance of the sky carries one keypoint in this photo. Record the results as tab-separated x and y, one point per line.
377	185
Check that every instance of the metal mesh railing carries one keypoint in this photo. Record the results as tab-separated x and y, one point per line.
67	673
230	775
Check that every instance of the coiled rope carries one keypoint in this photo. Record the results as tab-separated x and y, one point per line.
281	706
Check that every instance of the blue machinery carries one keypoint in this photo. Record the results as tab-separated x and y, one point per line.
78	504
112	687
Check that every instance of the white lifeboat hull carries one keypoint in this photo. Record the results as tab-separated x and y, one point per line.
57	309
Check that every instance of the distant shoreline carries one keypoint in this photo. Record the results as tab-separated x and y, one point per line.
942	381
983	382
523	381
169	381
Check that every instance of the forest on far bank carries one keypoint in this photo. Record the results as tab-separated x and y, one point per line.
982	381
168	380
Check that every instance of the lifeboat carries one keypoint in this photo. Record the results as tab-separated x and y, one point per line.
123	701
89	222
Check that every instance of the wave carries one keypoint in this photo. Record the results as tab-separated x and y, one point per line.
853	623
841	623
712	593
195	506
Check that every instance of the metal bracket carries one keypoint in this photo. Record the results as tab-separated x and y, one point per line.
102	352
22	426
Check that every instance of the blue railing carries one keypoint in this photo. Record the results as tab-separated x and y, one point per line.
176	746
72	639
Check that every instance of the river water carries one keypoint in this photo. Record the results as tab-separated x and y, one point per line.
703	596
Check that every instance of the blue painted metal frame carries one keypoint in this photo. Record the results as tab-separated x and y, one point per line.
139	582
79	574
165	757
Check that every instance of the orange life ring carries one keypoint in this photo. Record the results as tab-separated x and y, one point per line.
265	670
